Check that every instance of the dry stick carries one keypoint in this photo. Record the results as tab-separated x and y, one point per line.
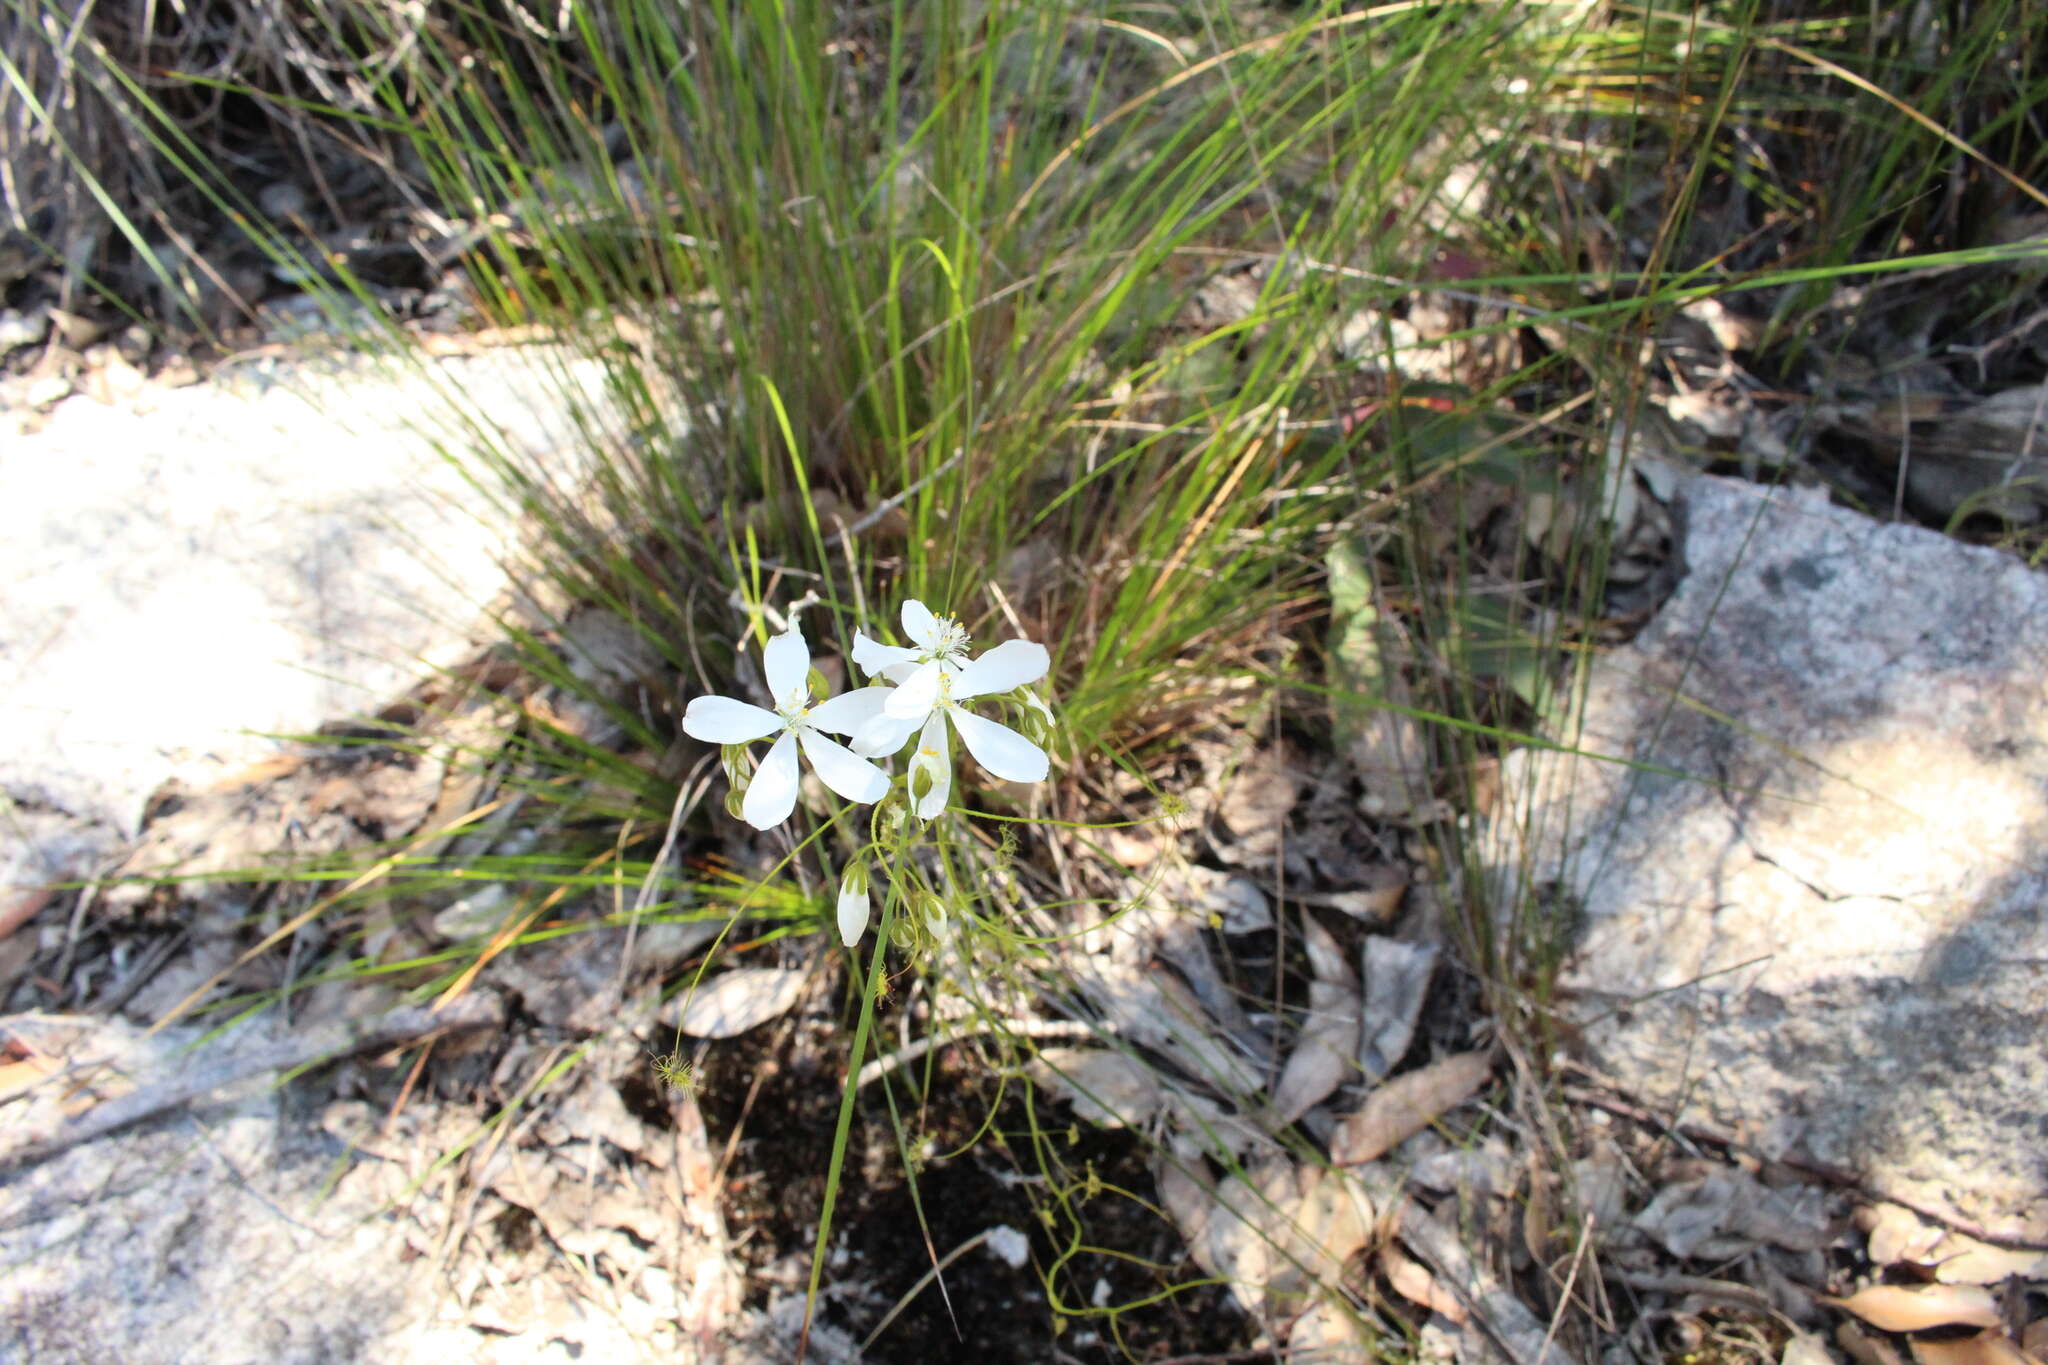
909	1052
327	1043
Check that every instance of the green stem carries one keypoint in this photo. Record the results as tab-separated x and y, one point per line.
846	1098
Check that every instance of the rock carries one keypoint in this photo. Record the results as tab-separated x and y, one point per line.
277	547
1813	915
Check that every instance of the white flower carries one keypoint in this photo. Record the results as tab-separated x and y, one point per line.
940	640
772	794
930	694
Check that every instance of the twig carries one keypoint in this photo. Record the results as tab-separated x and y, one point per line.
894	501
152	962
1726	1291
200	1077
1025	1028
1834	1175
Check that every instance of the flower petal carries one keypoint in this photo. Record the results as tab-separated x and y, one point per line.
884	735
852	777
919	623
934	759
854	908
787	662
847	712
900	673
875	657
1010	664
721	720
772	795
916	695
1001	750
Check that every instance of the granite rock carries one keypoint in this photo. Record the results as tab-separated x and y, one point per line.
1808	907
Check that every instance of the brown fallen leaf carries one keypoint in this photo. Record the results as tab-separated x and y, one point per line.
1408	1104
1412	1281
1986	1348
1896	1308
1864	1348
2034	1340
1895	1234
20	909
1964	1260
1329	1333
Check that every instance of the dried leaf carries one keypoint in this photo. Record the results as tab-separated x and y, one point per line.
1246	1225
1600	1183
1687	1218
1328	1334
2034	1340
1258	800
1229	898
1897	1234
1803	1348
1188	1205
1323	1055
1107	1088
1726	1213
1506	1320
1155	1008
1896	1308
1412	1281
1407	1104
1986	1348
1864	1348
1397	977
1325	955
1486	1170
1376	904
1280	1227
1965	1260
735	1001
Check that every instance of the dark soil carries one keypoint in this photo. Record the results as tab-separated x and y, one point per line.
1070	1187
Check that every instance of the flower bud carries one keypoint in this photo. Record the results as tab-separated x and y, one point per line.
854	905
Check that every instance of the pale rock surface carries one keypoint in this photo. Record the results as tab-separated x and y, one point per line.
1815	914
241	1230
280	546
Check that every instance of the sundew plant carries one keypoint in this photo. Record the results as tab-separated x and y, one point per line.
894	833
